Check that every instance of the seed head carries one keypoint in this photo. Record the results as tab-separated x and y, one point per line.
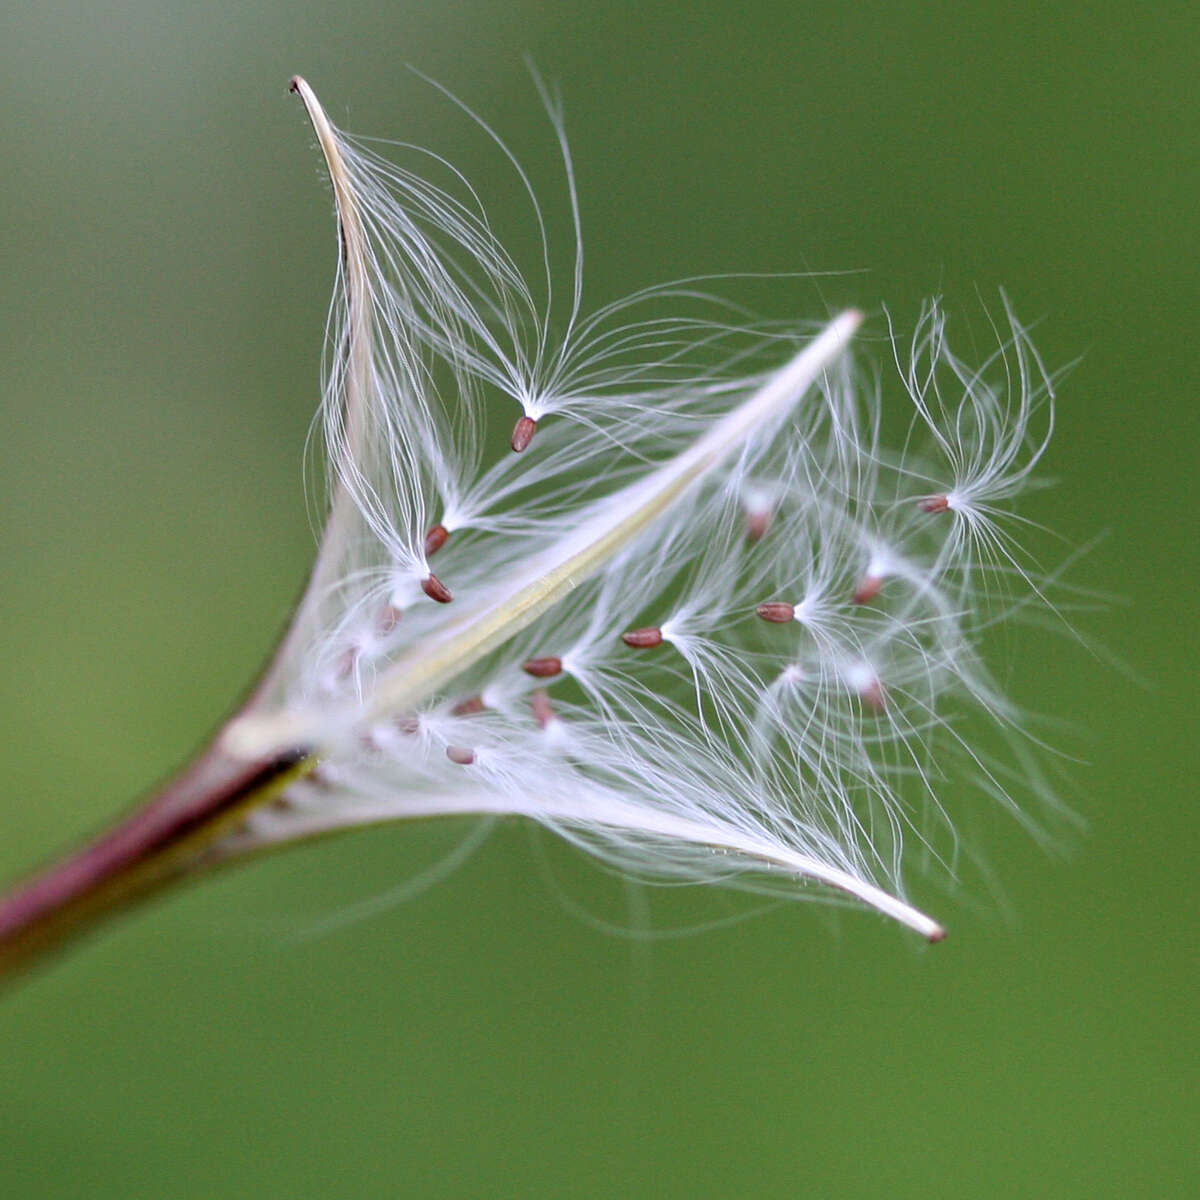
688	461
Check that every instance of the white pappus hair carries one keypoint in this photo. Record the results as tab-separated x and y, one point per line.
698	618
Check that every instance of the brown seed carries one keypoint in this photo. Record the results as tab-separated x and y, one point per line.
461	755
523	432
757	524
543	713
347	661
435	589
408	725
778	611
468	707
873	696
934	504
868	588
389	618
435	539
643	639
542	668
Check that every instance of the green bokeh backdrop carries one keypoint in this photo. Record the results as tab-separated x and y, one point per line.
167	253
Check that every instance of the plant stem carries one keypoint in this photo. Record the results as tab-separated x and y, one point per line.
160	842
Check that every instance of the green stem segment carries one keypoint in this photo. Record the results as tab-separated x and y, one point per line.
161	842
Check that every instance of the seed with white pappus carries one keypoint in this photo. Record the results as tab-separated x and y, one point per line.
435	589
779	612
389	618
543	712
461	755
934	504
523	432
757	524
868	588
542	668
436	538
643	639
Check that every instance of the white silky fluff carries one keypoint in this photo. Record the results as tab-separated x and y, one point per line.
814	750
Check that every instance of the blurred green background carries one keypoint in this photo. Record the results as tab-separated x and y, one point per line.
168	248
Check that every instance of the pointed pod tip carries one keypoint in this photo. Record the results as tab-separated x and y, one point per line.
846	323
842	328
